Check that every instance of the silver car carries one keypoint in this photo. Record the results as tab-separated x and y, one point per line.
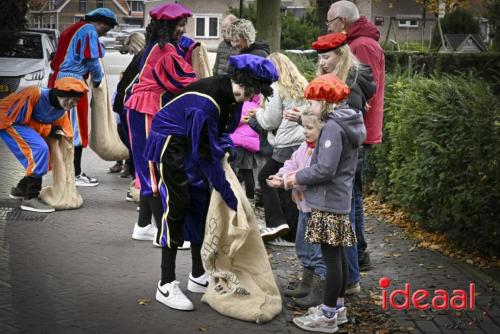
26	62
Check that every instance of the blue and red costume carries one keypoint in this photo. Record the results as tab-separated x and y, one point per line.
26	118
77	55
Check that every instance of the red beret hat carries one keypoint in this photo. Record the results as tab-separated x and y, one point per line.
169	12
327	88
329	42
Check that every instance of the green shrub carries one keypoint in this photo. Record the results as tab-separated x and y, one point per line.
440	157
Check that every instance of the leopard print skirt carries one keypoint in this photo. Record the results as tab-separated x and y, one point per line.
330	228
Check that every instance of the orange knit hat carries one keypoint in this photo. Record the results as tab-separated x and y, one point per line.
327	88
329	42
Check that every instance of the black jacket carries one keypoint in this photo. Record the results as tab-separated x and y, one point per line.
128	77
258	48
362	85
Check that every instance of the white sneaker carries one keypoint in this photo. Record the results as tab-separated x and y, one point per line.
147	233
342	316
271	233
279	241
315	321
198	284
171	295
185	246
83	180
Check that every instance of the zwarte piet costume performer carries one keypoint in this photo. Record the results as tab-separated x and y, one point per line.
77	56
165	68
187	142
26	118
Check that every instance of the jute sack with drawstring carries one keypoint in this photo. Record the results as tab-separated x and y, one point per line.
241	283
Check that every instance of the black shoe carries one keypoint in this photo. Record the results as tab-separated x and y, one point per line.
258	199
365	263
125	174
16	193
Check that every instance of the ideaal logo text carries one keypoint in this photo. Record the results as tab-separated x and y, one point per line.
422	299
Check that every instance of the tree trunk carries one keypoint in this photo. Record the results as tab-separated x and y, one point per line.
269	22
323	7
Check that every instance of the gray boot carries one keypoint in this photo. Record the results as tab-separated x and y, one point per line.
315	296
305	286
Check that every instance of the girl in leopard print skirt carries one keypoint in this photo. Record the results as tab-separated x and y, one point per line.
328	182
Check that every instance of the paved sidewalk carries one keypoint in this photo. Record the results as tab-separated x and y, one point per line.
80	272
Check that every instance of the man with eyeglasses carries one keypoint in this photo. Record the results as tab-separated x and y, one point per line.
362	37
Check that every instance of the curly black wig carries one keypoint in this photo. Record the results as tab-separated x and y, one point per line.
161	31
251	83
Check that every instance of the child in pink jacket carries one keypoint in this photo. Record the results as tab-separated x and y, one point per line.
247	143
314	270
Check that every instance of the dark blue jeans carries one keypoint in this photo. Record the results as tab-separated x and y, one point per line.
357	218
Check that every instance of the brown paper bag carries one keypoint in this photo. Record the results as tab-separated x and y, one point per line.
242	284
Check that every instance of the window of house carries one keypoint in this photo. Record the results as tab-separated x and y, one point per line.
83	6
51	4
407	23
136	5
207	26
99	3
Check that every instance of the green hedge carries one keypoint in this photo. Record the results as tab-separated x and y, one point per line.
485	65
439	159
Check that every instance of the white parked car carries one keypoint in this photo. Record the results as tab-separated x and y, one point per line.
25	63
109	39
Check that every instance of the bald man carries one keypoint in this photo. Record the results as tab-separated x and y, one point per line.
225	50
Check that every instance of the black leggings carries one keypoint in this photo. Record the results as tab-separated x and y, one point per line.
279	207
168	256
77	161
336	273
247	177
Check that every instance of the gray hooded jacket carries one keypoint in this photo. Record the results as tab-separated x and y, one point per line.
333	163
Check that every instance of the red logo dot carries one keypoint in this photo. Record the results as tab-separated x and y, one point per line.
384	282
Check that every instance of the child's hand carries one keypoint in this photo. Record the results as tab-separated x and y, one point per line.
252	112
290	180
292	115
274	181
245	119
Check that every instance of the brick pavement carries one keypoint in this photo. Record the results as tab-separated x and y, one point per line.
79	272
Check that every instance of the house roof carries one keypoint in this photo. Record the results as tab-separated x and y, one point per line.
60	4
455	41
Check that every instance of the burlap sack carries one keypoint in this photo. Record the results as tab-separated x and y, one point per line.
104	139
242	284
201	64
62	195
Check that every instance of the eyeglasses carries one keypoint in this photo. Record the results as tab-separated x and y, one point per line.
332	20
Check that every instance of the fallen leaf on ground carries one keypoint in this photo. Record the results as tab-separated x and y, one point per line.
143	301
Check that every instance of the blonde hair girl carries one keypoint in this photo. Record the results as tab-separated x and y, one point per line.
339	62
291	83
135	42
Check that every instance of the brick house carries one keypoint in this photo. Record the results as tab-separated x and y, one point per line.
60	14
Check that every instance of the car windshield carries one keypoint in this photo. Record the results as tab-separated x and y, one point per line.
26	46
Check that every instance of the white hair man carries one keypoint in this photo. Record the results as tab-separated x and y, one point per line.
225	50
362	37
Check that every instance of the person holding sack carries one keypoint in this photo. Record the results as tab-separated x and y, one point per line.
188	140
26	119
